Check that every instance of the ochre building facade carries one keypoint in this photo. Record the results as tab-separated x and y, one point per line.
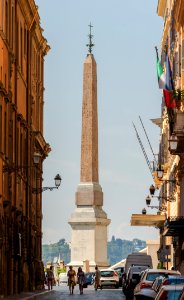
22	51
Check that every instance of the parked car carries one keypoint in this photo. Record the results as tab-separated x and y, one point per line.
149	275
169	292
132	278
182	295
109	278
120	271
145	294
89	278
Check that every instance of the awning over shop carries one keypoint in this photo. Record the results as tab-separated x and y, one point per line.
174	226
147	220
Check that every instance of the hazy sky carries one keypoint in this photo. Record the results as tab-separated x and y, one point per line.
125	34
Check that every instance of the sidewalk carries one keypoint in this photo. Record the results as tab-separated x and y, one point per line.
28	295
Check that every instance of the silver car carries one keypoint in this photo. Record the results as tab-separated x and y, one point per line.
109	278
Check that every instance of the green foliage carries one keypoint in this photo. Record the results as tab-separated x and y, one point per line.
117	250
49	252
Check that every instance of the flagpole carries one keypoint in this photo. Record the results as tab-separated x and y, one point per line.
156	49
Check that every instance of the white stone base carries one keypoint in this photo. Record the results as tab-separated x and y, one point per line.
89	237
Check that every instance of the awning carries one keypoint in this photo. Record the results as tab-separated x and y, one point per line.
174	226
147	220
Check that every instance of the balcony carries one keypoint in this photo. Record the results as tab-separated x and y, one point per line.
147	220
174	226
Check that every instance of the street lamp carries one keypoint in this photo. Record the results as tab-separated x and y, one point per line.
152	190
144	211
148	202
57	180
160	174
36	159
173	143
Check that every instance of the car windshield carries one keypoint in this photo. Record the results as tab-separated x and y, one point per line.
107	273
152	276
173	281
170	295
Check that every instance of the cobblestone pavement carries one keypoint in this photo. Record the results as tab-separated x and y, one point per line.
62	293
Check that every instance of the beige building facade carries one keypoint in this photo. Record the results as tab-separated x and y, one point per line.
170	216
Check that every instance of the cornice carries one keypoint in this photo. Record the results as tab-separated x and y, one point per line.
31	15
179	14
43	145
161	7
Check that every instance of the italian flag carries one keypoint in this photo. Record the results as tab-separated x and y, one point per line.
160	75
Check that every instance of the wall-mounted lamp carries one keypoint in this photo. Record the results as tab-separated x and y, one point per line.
152	190
36	159
148	202
57	180
160	174
170	199
144	211
173	143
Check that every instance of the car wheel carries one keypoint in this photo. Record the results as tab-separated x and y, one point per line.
117	286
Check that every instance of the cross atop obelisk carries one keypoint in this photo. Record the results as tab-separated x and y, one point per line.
90	45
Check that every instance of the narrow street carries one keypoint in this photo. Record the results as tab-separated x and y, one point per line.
62	292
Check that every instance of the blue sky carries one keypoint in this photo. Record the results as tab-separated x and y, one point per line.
125	34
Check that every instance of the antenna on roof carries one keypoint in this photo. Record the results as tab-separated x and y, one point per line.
144	152
155	160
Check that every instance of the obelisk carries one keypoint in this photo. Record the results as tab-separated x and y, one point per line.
89	222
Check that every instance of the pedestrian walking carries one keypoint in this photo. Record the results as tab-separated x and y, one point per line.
97	278
81	279
71	279
50	278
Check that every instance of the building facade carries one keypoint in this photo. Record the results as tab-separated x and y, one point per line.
22	146
172	160
170	185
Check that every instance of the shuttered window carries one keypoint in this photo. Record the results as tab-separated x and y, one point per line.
182	56
179	57
1	128
175	65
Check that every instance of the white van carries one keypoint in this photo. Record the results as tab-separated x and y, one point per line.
138	259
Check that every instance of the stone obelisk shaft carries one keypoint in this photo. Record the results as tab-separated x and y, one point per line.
89	142
89	191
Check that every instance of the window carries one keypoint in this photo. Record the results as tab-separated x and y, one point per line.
25	41
6	19
0	128
21	49
5	133
182	56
